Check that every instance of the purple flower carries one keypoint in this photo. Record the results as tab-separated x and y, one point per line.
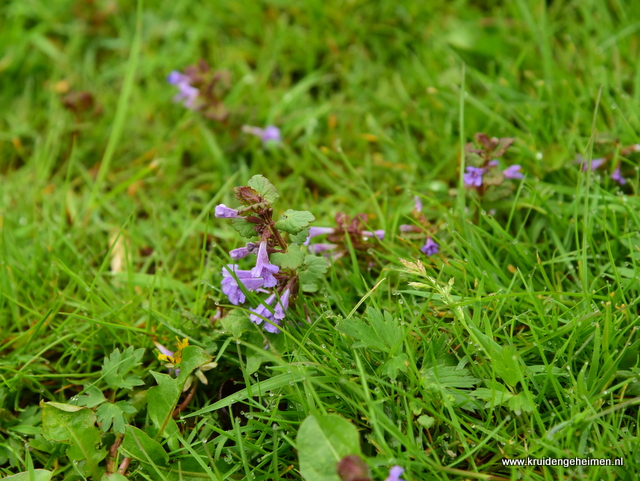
262	312
617	176
493	163
395	473
316	231
263	268
241	252
417	203
276	316
321	247
270	133
282	306
407	228
473	177
593	165
186	91
231	286
513	172
430	247
224	212
377	233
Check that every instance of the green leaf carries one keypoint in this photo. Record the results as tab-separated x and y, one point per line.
322	442
109	414
495	396
520	402
493	177
314	269
116	367
139	445
300	237
192	358
393	365
293	221
442	376
292	259
265	188
35	475
91	398
506	362
236	322
162	399
244	227
426	421
380	331
75	426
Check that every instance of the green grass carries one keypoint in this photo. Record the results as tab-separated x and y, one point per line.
369	97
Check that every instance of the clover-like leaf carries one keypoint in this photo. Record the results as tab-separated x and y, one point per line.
265	188
314	269
244	227
292	259
293	221
300	237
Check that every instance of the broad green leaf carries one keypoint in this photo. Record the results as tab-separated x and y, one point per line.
162	399
448	377
265	188
244	227
292	259
75	426
236	322
109	414
322	442
192	358
300	237
35	475
139	445
91	398
116	367
314	269
293	221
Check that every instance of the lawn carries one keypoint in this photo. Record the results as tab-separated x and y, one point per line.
321	241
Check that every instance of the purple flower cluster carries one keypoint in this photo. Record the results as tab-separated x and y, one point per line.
273	315
232	278
599	162
187	93
473	176
269	135
236	281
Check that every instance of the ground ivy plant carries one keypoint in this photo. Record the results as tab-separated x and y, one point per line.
284	266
